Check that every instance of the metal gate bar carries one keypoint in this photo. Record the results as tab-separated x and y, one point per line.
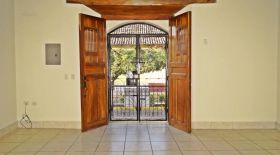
152	103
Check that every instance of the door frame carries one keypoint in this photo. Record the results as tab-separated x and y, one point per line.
137	36
167	84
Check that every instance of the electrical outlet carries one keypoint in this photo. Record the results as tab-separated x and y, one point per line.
34	103
25	103
66	76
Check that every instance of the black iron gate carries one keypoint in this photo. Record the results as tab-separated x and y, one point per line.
133	97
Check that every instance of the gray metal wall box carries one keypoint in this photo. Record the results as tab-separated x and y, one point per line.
53	54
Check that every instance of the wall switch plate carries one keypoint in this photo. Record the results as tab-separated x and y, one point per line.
53	54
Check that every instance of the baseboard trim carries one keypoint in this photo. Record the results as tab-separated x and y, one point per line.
234	125
8	129
55	124
195	125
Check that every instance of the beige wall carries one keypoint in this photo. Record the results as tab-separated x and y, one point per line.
278	64
7	67
234	61
56	97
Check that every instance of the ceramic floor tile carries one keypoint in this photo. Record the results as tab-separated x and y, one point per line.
89	138
185	137
196	153
65	138
274	152
110	147
26	131
191	146
79	153
165	146
161	138
256	136
108	153
56	147
226	153
6	147
167	153
21	153
70	132
137	137
83	147
113	138
50	153
138	153
137	146
255	153
28	147
15	138
209	136
245	145
218	145
269	145
233	137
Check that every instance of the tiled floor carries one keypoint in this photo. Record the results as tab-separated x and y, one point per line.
145	138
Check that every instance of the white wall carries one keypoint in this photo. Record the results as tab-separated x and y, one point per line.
53	21
234	61
7	67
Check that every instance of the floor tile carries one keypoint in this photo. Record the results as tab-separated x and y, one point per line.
84	147
21	153
196	153
185	137
245	145
161	138
108	153
113	138
140	139
6	147
26	131
274	152
255	153
137	146
110	147
79	153
225	153
138	153
137	137
15	138
191	146
28	147
217	145
165	146
50	153
269	145
167	153
56	147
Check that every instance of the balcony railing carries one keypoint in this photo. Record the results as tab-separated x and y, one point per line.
152	102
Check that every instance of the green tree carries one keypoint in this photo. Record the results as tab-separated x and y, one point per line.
123	60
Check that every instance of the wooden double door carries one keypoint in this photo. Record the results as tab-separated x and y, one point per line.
94	74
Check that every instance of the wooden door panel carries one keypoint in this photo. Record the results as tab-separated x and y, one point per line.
180	72
93	54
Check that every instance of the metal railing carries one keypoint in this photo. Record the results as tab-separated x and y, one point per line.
146	102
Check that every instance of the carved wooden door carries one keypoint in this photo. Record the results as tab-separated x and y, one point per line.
93	65
180	72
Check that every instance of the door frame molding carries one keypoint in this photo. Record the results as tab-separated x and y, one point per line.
137	36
